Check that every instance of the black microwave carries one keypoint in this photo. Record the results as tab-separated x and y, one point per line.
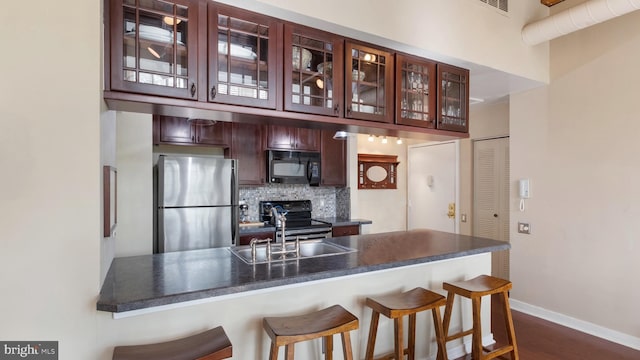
293	167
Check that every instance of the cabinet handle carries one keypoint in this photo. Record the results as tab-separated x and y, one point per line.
193	138
214	92
193	89
337	109
349	110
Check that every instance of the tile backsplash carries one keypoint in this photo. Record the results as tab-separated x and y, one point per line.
325	201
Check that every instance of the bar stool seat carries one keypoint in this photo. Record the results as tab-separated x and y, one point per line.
475	289
288	330
208	345
396	306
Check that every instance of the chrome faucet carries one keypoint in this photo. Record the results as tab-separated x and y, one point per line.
283	219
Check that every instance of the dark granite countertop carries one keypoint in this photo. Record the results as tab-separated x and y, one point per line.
338	221
140	282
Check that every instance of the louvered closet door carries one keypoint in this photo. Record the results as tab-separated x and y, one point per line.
491	197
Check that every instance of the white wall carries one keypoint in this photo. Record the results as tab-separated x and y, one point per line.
485	121
50	191
577	140
386	208
135	195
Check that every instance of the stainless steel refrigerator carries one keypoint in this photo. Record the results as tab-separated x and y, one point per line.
197	199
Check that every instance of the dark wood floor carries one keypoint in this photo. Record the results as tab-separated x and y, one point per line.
543	340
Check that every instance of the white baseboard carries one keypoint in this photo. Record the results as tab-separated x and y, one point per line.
577	324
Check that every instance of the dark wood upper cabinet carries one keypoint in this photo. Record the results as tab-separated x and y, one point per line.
248	149
313	71
291	138
368	83
154	47
160	53
333	160
177	130
243	57
416	81
453	98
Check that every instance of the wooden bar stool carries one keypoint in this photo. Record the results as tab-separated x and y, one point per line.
396	306
209	345
288	330
475	289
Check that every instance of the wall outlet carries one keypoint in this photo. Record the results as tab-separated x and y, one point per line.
463	217
524	228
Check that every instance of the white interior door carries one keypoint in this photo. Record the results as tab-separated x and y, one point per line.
491	197
432	184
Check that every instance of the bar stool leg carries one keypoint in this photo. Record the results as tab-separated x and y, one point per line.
411	352
442	345
398	343
476	341
273	353
346	346
447	315
328	347
508	320
373	329
289	349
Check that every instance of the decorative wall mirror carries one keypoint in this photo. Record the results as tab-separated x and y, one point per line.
377	171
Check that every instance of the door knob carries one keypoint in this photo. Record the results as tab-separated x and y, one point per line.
495	215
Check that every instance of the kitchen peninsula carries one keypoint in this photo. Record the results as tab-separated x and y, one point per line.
148	281
199	289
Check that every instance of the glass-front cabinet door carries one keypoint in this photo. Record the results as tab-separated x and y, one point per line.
242	57
415	91
368	83
453	100
313	71
154	47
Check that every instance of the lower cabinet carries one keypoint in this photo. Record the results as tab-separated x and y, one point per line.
246	239
345	230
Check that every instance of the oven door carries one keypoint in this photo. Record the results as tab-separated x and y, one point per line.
302	234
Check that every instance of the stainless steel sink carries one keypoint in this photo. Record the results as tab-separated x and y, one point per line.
308	249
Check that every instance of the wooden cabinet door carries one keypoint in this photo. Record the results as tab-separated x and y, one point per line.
291	138
243	57
154	47
174	130
313	71
416	81
453	100
368	83
281	137
334	160
247	148
213	134
307	139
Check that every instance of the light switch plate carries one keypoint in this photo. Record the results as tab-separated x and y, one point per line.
524	228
